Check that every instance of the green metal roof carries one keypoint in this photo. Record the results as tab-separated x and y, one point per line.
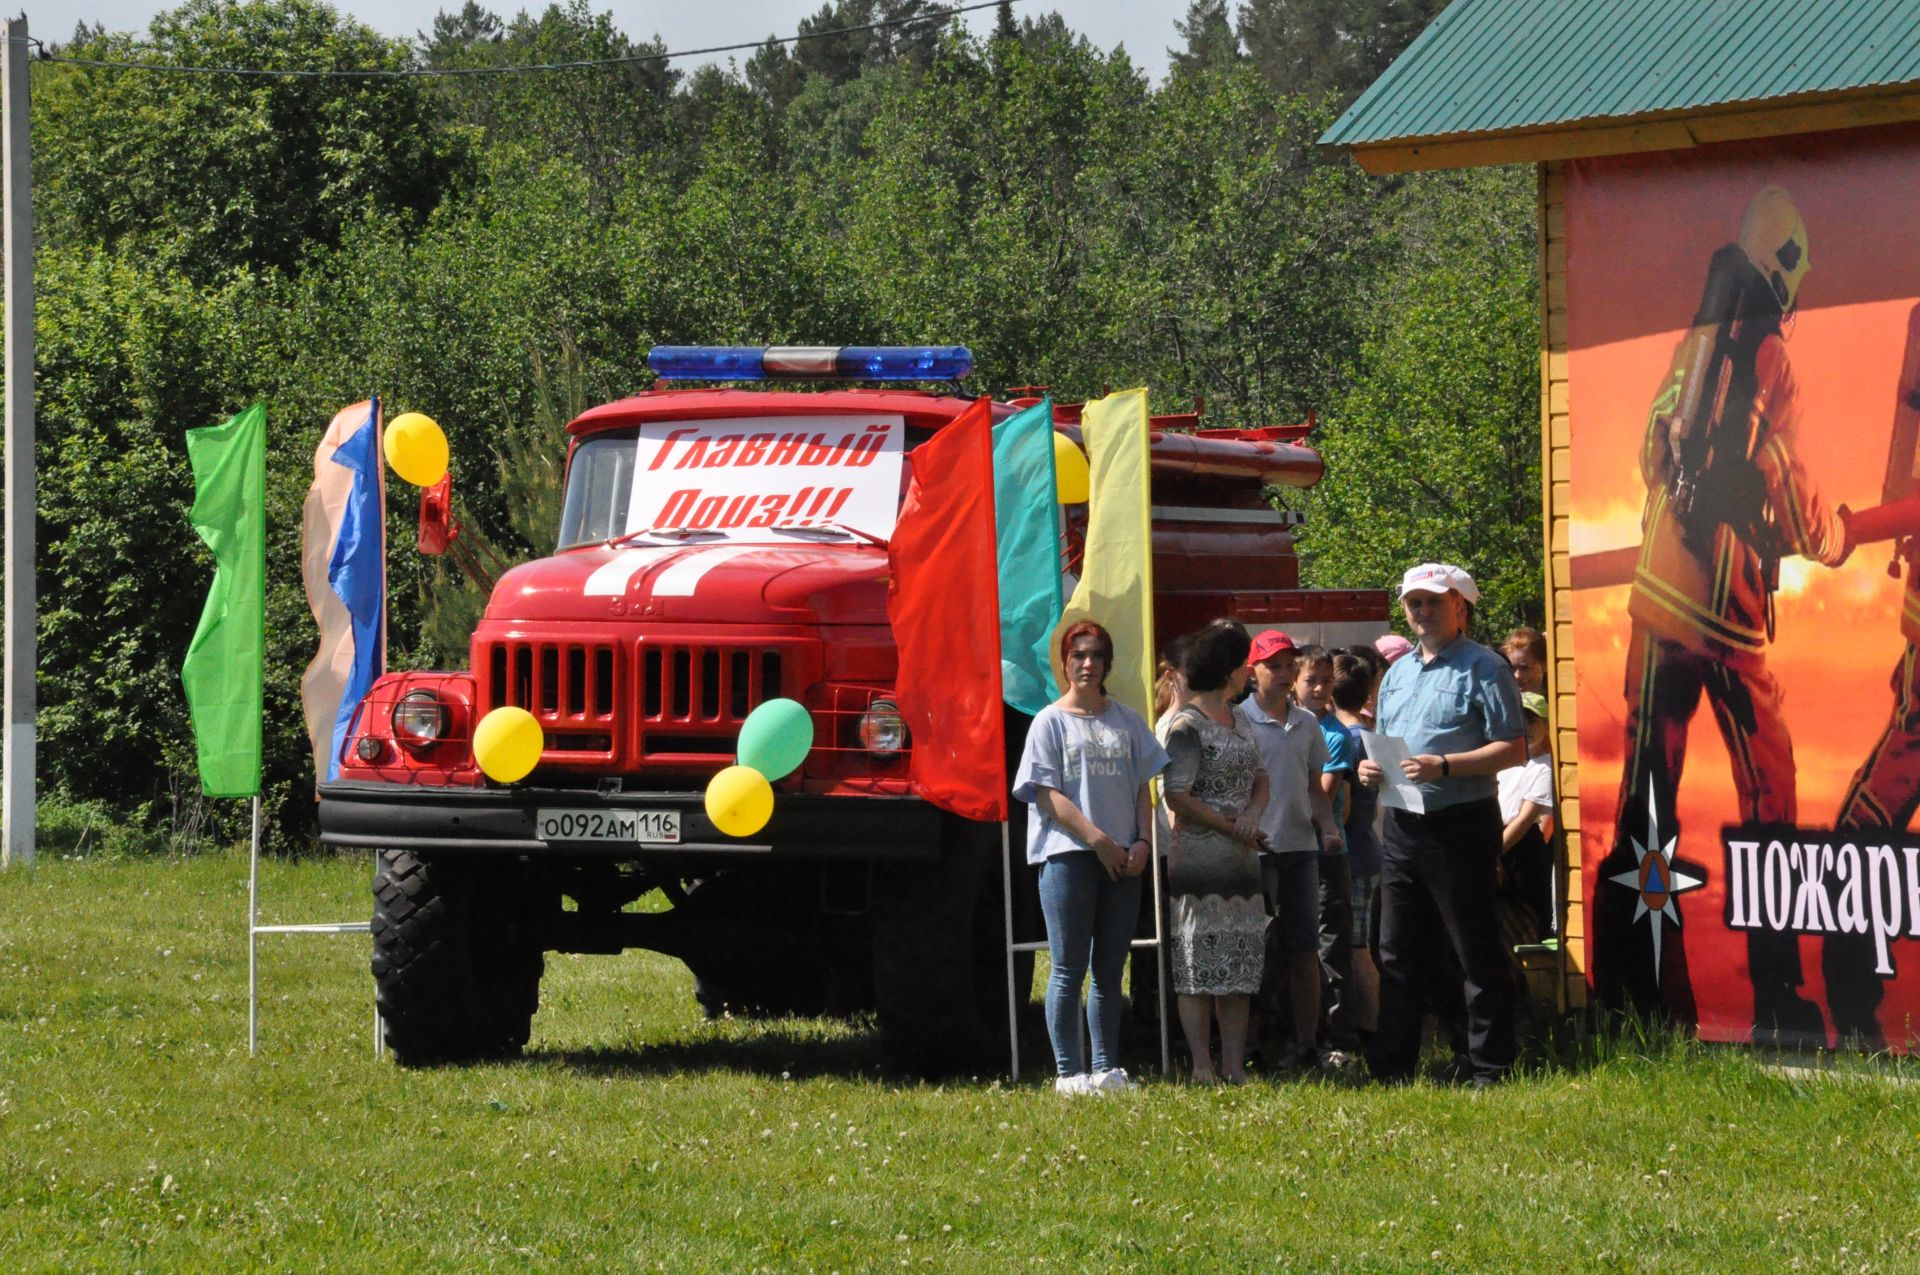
1489	66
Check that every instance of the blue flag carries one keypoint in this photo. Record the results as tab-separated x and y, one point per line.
357	572
1026	522
342	565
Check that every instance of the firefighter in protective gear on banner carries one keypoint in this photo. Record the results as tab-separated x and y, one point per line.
1885	791
1883	795
1727	498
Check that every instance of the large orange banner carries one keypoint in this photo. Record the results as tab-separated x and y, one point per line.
1744	380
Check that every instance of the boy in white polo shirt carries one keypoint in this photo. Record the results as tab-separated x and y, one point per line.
1299	823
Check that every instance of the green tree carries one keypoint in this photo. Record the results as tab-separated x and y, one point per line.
1004	25
1244	257
473	27
1210	40
1330	46
605	119
208	174
973	217
1434	454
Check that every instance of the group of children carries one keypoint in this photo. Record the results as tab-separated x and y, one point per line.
1291	800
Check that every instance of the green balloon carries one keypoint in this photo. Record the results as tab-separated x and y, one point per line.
776	737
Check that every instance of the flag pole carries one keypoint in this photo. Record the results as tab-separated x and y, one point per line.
1013	1003
253	931
1163	968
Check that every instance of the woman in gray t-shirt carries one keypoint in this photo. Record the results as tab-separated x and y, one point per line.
1085	771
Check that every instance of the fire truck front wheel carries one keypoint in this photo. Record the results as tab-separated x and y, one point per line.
456	964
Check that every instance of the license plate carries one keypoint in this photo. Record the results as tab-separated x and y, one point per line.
607	825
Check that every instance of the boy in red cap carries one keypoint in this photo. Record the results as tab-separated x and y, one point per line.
1299	823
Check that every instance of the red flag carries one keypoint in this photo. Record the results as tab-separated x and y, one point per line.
944	603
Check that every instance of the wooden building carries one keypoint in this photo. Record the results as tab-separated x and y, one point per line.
1665	132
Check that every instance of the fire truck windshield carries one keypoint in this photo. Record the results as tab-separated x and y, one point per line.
599	488
745	480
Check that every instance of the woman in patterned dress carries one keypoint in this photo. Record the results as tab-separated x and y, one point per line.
1216	790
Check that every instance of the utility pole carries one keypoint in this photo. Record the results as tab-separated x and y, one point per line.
17	750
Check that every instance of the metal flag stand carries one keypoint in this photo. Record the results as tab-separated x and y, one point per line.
1016	995
255	930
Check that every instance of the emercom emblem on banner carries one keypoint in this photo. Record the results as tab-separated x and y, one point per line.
1656	879
752	480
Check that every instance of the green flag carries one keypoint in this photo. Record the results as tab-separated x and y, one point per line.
225	662
1026	514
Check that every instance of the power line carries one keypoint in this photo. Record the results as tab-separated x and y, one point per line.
930	15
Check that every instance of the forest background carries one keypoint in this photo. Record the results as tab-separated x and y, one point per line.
500	251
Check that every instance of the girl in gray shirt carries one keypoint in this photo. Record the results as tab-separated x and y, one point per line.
1085	770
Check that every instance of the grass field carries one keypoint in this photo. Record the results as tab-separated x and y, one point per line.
135	1133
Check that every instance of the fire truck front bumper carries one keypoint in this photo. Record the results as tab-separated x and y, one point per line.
570	821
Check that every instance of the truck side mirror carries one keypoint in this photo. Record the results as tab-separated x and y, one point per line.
436	517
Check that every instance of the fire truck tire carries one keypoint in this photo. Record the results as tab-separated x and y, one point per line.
456	971
928	966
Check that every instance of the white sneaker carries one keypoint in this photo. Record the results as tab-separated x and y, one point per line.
1113	1081
1071	1085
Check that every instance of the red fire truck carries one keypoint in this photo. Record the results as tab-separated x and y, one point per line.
712	554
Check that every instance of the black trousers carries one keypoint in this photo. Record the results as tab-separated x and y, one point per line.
1436	896
1337	1030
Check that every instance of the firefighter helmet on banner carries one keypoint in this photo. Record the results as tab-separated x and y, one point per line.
1775	240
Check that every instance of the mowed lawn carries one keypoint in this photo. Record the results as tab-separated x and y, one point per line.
135	1133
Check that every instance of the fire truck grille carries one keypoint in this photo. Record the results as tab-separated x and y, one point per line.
570	687
691	699
705	684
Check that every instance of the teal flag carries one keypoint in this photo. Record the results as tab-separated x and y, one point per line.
1026	520
226	659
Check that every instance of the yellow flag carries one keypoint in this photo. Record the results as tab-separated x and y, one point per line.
1116	580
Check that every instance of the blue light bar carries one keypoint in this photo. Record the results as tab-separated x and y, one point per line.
810	362
707	362
904	362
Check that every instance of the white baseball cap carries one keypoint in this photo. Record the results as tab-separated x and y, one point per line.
1439	577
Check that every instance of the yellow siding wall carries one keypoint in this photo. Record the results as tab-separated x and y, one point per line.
1555	473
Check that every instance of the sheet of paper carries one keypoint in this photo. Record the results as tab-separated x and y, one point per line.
1387	752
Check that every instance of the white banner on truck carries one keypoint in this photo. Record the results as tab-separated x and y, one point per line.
743	480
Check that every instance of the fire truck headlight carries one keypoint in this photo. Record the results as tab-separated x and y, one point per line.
419	719
882	730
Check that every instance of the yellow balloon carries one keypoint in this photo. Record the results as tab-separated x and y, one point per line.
1070	475
416	448
739	801
507	744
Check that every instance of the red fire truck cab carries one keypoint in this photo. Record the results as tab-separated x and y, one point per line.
719	547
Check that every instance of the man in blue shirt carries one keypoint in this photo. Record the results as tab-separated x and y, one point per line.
1456	706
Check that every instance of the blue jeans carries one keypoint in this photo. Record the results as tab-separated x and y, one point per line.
1090	920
